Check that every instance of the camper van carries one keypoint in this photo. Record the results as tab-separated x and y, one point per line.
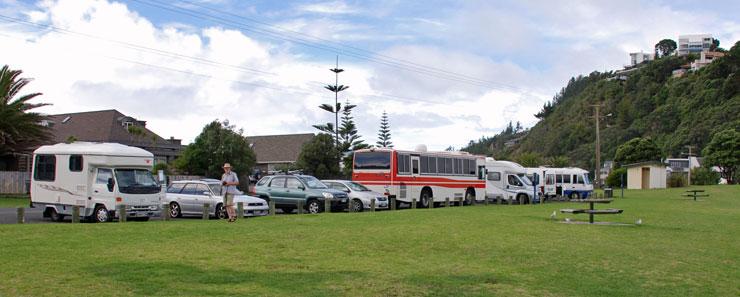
508	181
97	177
572	182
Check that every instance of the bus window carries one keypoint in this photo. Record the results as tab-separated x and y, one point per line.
415	166
550	179
559	178
566	179
466	167
448	166
580	178
403	164
441	165
424	164
433	165
373	160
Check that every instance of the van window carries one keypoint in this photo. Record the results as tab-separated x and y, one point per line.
550	179
513	180
579	177
75	163
175	188
136	181
103	175
278	182
494	176
559	178
566	179
45	168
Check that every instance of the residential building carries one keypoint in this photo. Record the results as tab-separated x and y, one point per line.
637	58
606	169
681	165
112	126
646	175
276	151
704	59
694	43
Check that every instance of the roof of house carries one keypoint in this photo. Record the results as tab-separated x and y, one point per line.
646	163
102	126
278	148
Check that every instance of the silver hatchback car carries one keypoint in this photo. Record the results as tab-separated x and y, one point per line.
359	195
187	197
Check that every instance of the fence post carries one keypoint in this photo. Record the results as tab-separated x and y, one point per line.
521	201
392	202
121	213
508	201
413	203
460	201
300	206
240	210
272	207
206	206
21	215
472	202
327	205
485	201
431	202
447	201
372	205
75	214
498	200
166	212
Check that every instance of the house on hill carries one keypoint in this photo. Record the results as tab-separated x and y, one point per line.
112	126
275	151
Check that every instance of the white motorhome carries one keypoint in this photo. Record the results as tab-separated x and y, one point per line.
508	181
97	177
570	182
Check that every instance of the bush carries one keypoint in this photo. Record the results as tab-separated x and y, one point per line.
676	181
161	166
613	181
704	176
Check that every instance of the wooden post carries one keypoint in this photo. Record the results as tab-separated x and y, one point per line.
485	201
206	206
521	201
272	207
300	206
508	201
498	200
166	212
472	202
240	210
372	205
121	213
327	205
460	201
21	215
447	201
75	214
393	203
431	202
413	203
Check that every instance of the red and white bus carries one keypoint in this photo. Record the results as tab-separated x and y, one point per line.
420	175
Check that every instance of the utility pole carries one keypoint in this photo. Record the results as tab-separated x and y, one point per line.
688	156
597	172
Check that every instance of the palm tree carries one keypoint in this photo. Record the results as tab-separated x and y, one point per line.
19	128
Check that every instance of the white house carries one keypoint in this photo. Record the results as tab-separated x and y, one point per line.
694	43
637	58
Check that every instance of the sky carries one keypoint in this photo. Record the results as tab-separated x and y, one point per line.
446	72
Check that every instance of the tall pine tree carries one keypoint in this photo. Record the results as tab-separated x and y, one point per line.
384	133
349	139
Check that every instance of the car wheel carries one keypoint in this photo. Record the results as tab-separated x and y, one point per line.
287	209
424	200
175	211
221	212
357	205
55	216
101	215
313	206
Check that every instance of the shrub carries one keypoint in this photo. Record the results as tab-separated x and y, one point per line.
612	180
676	181
704	176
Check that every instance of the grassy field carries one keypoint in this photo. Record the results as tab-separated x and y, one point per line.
13	201
683	248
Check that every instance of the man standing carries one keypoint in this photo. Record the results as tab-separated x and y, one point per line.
229	180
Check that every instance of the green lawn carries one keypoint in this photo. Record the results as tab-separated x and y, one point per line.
13	201
683	248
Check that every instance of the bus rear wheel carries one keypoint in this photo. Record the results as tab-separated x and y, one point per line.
469	197
425	199
55	216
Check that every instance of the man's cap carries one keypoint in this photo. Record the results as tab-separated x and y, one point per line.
227	165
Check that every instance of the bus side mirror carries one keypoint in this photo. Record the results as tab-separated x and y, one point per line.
111	183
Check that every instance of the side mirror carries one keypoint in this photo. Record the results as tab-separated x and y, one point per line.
507	186
111	183
302	188
346	191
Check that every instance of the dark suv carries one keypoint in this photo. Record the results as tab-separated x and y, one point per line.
288	190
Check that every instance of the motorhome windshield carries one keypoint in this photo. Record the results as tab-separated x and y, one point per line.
136	181
525	179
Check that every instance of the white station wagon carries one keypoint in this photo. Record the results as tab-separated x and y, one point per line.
187	197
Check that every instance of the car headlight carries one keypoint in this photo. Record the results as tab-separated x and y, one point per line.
328	195
153	207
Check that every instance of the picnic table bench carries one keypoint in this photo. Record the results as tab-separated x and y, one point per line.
591	211
695	194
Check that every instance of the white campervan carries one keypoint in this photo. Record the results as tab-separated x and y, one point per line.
508	181
570	182
96	177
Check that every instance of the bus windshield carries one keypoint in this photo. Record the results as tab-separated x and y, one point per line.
136	181
373	160
525	179
585	179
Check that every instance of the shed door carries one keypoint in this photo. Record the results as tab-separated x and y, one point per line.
646	178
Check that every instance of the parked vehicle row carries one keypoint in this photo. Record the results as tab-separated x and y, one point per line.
187	198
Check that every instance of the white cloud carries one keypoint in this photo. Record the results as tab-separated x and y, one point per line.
329	7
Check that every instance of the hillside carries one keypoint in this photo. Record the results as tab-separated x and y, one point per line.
674	112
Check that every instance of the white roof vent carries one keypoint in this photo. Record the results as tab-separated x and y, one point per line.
66	119
421	148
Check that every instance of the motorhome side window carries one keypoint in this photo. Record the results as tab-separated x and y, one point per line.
45	168
494	176
75	163
103	175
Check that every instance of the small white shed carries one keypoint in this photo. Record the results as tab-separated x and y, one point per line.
646	175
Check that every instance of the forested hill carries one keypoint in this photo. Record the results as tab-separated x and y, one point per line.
647	102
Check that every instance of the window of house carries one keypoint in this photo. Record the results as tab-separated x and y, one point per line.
45	168
75	163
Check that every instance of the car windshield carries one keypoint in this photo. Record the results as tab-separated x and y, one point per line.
357	187
313	182
136	181
525	179
215	188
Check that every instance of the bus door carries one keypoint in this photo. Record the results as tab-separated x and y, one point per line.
415	187
549	184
